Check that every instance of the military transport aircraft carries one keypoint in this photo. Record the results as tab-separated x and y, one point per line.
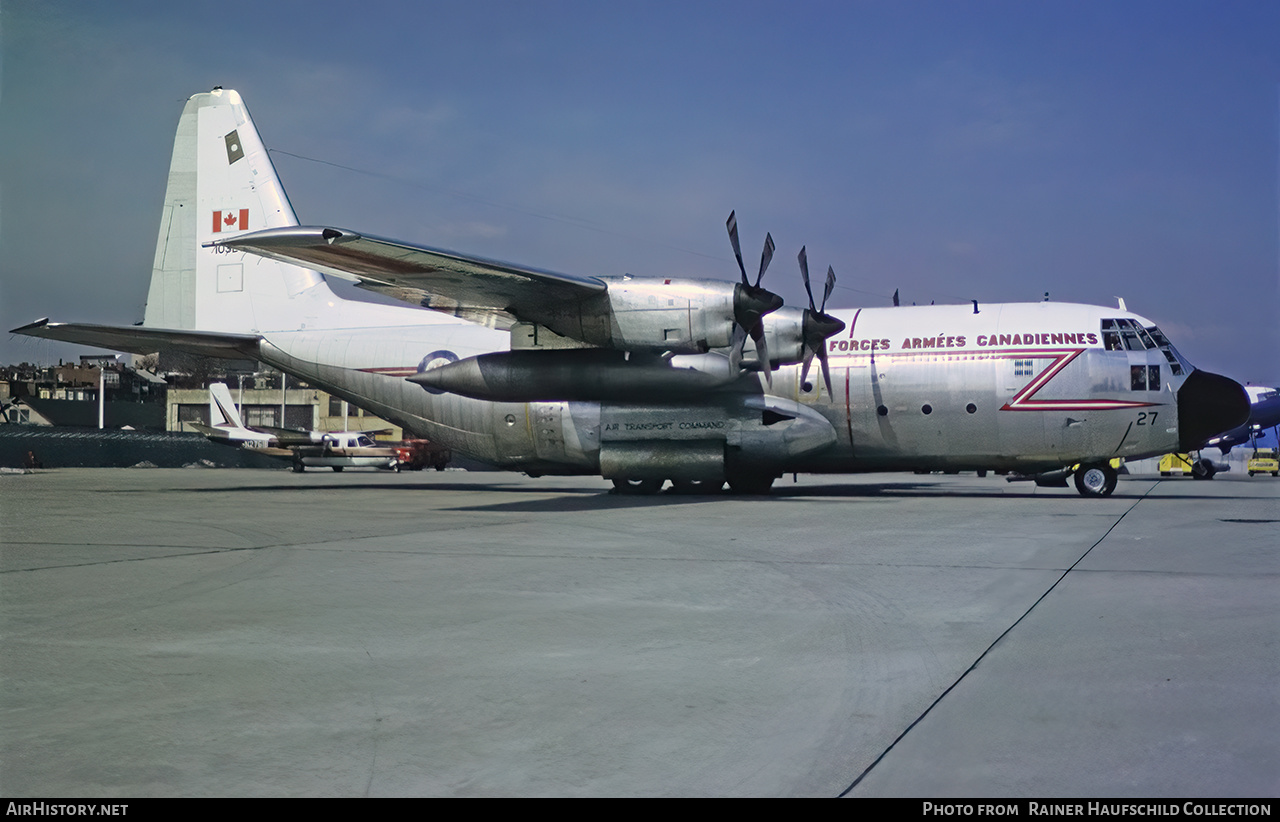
1264	413
646	380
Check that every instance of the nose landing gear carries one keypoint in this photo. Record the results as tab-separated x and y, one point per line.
1097	480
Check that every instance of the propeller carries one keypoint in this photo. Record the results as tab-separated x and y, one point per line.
751	301
817	326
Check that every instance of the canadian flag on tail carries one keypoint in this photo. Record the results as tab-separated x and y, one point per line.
231	220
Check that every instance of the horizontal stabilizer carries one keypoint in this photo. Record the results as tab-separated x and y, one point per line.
137	339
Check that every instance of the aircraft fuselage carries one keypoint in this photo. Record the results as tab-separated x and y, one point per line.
1020	387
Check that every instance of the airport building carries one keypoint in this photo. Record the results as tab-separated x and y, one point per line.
106	391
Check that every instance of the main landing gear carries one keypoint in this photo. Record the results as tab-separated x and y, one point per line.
1097	480
742	484
638	486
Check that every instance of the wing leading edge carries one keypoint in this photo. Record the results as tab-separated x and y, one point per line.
488	291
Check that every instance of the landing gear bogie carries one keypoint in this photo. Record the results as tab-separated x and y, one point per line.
697	487
637	486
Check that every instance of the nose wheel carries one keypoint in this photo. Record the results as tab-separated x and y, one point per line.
1202	469
1095	480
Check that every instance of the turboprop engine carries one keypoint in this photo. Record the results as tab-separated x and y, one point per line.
663	315
674	316
798	335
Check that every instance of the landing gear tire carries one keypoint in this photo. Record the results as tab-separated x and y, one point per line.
298	467
630	486
1203	470
752	484
700	487
1095	480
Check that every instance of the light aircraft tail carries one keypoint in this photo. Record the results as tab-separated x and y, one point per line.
221	183
222	412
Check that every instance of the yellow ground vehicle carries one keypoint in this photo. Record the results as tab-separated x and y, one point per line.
1171	464
1264	461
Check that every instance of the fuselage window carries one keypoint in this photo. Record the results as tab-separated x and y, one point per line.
1023	368
1153	378
1138	377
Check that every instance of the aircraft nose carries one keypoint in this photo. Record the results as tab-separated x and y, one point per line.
1208	405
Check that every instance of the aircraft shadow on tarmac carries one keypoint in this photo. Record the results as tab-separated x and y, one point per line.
596	498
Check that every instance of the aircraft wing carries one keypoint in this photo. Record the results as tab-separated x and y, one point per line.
486	291
137	339
288	436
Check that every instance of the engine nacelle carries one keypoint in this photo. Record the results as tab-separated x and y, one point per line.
679	316
784	332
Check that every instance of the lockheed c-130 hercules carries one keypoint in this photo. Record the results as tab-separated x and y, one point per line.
646	380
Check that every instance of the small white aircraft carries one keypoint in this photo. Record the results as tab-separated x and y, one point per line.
226	427
316	449
647	380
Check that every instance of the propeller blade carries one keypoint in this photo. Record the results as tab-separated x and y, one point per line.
804	372
751	302
765	257
804	275
826	372
819	326
732	225
736	346
762	352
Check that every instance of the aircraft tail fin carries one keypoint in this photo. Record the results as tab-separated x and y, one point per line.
222	182
222	411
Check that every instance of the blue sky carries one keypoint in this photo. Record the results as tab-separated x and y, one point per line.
951	150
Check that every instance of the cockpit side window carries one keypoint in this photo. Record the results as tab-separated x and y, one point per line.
1110	336
1177	365
1142	334
1130	333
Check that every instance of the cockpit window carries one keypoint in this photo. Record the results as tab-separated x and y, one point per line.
364	441
1125	334
1111	336
1177	364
